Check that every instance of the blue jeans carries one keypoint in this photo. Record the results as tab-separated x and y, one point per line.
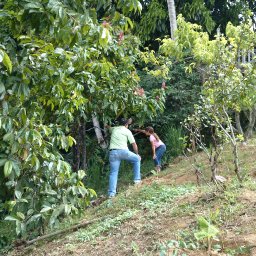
159	154
115	158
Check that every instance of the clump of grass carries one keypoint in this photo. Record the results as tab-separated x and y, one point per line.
163	195
241	250
108	224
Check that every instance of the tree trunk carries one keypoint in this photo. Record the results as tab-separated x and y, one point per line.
79	150
76	148
234	144
251	119
238	123
236	162
172	17
83	146
215	153
98	132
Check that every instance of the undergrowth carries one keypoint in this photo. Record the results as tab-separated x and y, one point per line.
110	223
152	198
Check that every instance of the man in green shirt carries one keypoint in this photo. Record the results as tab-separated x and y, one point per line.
118	151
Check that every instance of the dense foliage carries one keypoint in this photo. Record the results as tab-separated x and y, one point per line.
210	14
59	64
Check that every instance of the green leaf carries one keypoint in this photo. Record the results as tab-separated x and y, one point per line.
8	137
33	5
23	115
46	209
59	51
34	218
83	191
51	192
67	209
18	194
22	200
71	141
59	165
7	168
35	161
4	58
92	192
81	174
203	223
16	168
206	230
11	218
20	215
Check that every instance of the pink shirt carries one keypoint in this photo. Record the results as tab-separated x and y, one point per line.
155	142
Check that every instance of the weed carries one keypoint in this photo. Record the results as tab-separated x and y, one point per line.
71	248
173	248
104	226
163	196
250	184
186	239
241	250
183	209
175	142
206	231
135	248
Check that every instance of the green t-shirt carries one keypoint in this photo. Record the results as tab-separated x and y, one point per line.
120	136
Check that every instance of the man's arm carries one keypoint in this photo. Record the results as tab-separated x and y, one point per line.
135	149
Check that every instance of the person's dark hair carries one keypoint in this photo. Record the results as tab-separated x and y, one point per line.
151	131
124	121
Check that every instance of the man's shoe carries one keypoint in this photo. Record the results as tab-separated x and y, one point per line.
137	183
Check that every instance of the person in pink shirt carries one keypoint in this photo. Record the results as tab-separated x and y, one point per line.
158	147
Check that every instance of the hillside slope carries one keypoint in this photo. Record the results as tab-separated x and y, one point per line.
160	217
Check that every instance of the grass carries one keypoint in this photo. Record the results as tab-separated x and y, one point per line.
110	223
98	179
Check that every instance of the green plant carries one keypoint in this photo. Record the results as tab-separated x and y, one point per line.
159	197
175	142
183	209
206	231
135	248
173	248
241	250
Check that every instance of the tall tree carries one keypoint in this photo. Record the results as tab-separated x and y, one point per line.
172	17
